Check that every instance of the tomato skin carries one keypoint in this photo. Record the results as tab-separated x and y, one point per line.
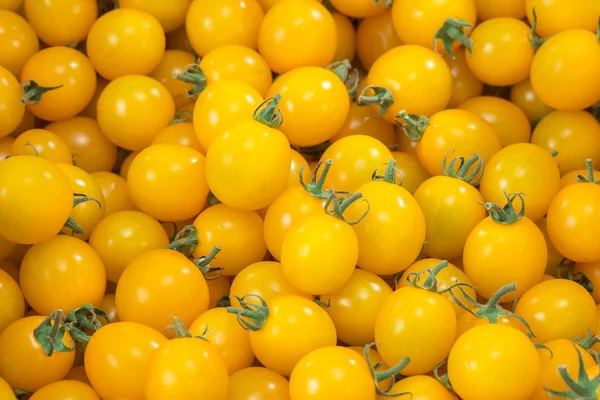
571	61
295	327
186	368
225	334
167	182
423	387
500	60
247	166
24	182
90	110
570	178
319	254
298	161
557	16
7	392
554	257
55	66
420	81
109	306
462	131
12	303
238	233
557	309
592	272
62	273
374	36
18	42
116	194
66	389
61	22
121	237
522	167
416	22
418	324
412	172
465	84
303	25
170	14
236	62
357	124
307	122
346	38
181	133
488	9
524	97
575	135
507	119
257	382
213	24
174	62
358	8
24	364
125	42
217	289
573	221
468	321
133	109
495	347
159	284
117	359
11	109
46	144
92	151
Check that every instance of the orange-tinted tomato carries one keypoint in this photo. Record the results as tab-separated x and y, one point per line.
18	42
42	143
66	389
181	133
524	97
217	289
174	62
357	124
259	383
12	304
114	189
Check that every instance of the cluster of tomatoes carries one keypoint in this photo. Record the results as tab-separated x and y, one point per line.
290	200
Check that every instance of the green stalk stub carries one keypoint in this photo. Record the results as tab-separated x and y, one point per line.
79	198
21	393
412	125
340	205
185	241
382	98
348	75
590	173
443	378
34	92
506	215
460	171
251	317
212	200
224	301
583	388
192	74
391	175
379	376
383	3
586	342
268	113
181	116
181	331
203	264
567	265
430	283
451	30
50	333
535	40
315	186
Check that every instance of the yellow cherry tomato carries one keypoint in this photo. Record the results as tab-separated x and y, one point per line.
217	289
258	382
109	306
488	9
61	22
178	40
554	257
298	161
124	42
419	80
591	272
465	84
7	393
28	122
42	143
501	53
524	97
90	110
238	63
65	67
133	109
88	214
358	8
565	73
11	110
556	16
12	302
66	389
11	5
506	118
181	133
315	104
220	106
575	135
124	170
570	178
212	24
18	42
114	189
346	37
303	25
91	150
167	182
78	374
238	233
410	170
526	168
374	36
121	237
357	124
174	62
170	14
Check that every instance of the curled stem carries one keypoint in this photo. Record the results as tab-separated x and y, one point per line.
430	282
34	92
50	333
193	74
83	320
462	170
586	342
379	376
185	241
506	215
583	388
382	98
181	116
391	175
315	186
536	40
443	379
341	205
79	198
181	331
203	264
412	125
566	267
257	314
268	113
453	29
590	173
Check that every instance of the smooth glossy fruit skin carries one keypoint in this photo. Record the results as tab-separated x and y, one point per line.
12	304
6	391
488	9
133	109
423	387
27	183
504	350
181	133
24	364
121	237
174	62
360	121
524	97
42	143
346	38
170	14
303	25
66	389
62	273
116	194
213	24
186	368
465	84
374	36
18	42
592	272
565	72
557	309
125	42
554	257
11	109
410	169
358	8
108	305
556	16
570	178
117	359
257	382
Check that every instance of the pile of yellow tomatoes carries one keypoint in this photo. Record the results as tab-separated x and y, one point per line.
299	200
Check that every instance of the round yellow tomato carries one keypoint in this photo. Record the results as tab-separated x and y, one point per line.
18	42
11	109
257	382
302	25
42	143
212	24
90	110
217	289
12	5
554	257
66	389
133	109
124	42
109	306
174	62
346	37
501	54
68	73
465	84
374	36
171	14
361	121
358	8
238	63
114	189
181	133
570	178
7	392
12	303
410	170
524	97
557	15
121	237
423	387
488	9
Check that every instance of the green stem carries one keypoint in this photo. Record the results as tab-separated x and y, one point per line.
193	74
182	332
268	113
588	341
178	119
582	389
203	264
535	40
430	282
383	3
185	241
50	333
506	215
412	125
391	175
590	173
212	200
315	186
463	168
382	98
339	207
387	374
443	379
20	393
453	30
348	75
34	92
257	314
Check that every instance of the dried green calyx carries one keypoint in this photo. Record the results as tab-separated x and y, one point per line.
315	186
461	171
506	215
181	331
565	270
427	279
79	198
193	74
382	98
203	264
268	113
391	175
348	75
590	173
336	206
412	125
251	317
583	388
453	30
379	376
185	241
181	116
